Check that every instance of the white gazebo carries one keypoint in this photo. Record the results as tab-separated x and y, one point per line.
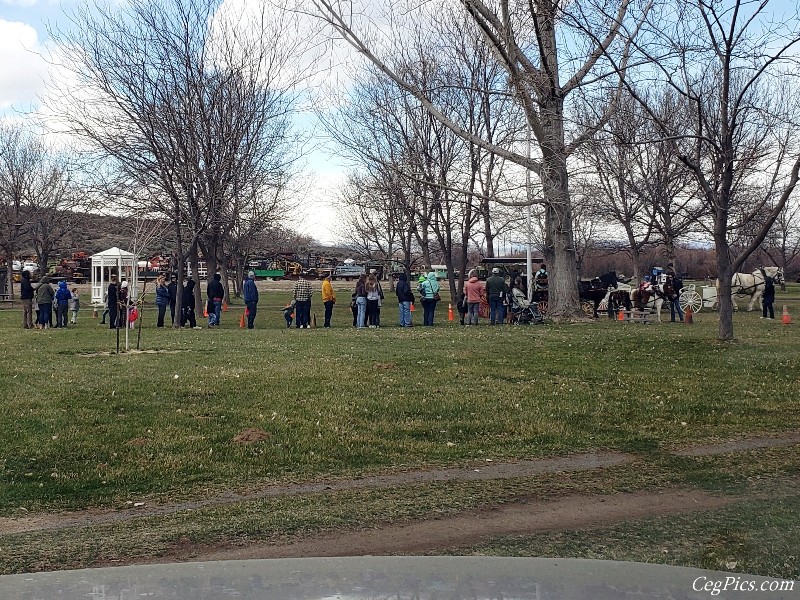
113	261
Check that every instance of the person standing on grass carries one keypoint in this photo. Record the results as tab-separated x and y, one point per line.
328	299
62	304
429	292
495	293
112	303
74	306
404	299
122	305
44	299
26	294
768	299
302	296
473	290
215	293
361	301
374	297
187	304
250	293
162	299
673	296
172	288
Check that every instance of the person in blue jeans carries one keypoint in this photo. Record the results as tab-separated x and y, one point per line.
428	290
404	299
361	301
496	293
215	293
250	292
673	294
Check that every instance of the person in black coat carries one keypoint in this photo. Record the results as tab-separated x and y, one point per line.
187	304
172	288
112	302
215	293
405	298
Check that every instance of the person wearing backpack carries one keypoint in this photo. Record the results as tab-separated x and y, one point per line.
768	299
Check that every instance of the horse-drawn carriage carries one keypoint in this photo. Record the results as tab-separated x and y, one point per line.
650	298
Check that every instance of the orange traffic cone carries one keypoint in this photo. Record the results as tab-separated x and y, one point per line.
688	316
412	307
450	316
786	319
241	321
225	306
205	313
620	315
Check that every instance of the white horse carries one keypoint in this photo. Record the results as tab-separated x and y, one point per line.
752	284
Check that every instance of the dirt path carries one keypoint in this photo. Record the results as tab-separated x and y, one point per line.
524	517
571	512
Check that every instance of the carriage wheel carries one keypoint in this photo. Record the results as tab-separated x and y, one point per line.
690	298
543	307
587	308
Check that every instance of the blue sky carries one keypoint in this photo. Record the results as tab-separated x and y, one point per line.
23	72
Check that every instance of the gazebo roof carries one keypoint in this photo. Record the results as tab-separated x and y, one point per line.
114	253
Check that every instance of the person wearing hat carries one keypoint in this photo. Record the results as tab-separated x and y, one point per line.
495	293
250	292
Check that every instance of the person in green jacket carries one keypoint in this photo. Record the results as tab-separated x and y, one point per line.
429	292
44	299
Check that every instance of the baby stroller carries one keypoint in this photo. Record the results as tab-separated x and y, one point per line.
524	312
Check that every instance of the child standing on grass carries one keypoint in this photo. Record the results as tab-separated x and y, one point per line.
288	312
74	306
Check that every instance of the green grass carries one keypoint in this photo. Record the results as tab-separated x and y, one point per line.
84	427
754	536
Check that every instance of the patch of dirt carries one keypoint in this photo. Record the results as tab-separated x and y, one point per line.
569	513
251	435
740	445
519	518
488	470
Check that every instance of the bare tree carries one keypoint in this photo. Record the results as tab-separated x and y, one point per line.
20	157
554	55
729	62
187	100
640	184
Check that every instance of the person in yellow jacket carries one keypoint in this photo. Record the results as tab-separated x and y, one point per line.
328	299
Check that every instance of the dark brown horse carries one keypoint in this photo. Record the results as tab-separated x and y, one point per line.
595	290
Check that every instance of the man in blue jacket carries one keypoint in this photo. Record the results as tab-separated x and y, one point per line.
251	299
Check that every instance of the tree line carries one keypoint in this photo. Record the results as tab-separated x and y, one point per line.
560	123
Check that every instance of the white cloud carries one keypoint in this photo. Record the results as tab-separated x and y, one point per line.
19	3
22	70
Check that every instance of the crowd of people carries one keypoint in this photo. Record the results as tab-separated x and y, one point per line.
45	306
44	300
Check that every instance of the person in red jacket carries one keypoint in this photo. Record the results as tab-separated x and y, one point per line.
473	290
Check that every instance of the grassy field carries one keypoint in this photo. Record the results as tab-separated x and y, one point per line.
84	427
